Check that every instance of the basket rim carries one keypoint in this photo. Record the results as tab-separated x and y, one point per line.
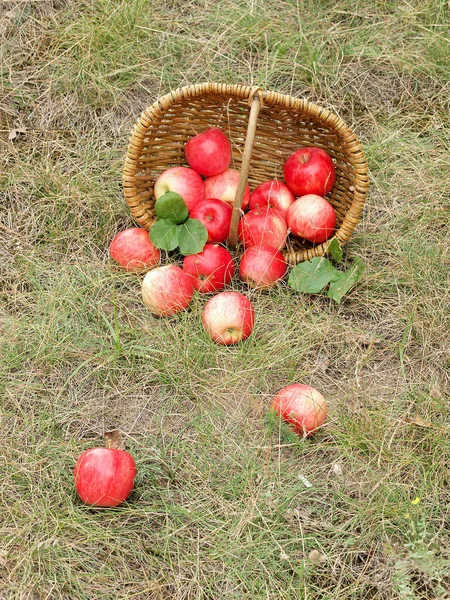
246	92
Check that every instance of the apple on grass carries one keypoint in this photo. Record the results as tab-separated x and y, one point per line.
312	218
184	181
211	270
167	290
263	227
224	186
302	406
209	153
272	194
104	476
262	266
215	216
228	317
309	171
133	250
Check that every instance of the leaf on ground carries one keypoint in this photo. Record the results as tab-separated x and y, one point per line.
436	392
342	281
322	361
164	234
335	250
314	555
192	237
417	421
337	469
367	339
113	438
312	276
172	207
305	481
15	133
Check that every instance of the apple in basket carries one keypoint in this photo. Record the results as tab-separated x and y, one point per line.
211	270
184	181
215	216
263	227
228	317
309	171
262	266
104	476
302	406
311	217
272	194
167	290
224	186
133	250
208	153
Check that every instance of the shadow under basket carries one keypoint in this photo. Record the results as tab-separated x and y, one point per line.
264	129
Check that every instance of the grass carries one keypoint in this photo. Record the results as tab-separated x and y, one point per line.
220	507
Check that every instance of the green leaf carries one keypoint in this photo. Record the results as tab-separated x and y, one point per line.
172	207
335	250
276	425
342	281
192	237
164	234
311	276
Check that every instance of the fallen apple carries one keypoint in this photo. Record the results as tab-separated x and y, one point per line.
262	266
211	270
309	171
133	250
302	406
208	153
312	218
224	186
167	290
272	194
184	181
104	476
215	216
263	227
228	317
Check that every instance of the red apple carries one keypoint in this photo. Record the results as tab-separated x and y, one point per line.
184	181
104	476
224	186
266	227
215	216
209	153
211	270
302	406
309	171
311	217
133	250
228	317
272	194
262	266
167	290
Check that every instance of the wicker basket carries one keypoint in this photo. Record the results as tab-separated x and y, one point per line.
262	137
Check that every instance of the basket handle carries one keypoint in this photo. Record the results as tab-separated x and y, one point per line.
255	102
